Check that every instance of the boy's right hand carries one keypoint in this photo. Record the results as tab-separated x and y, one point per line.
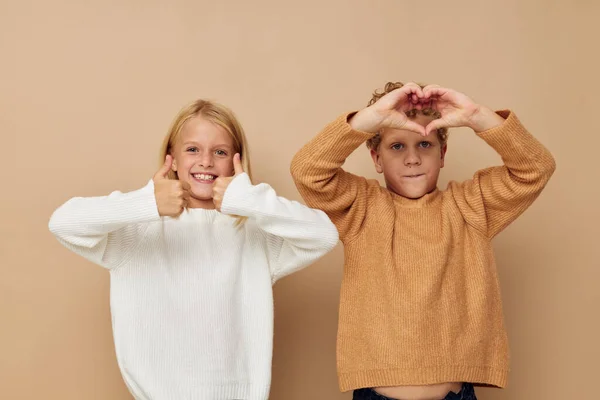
171	195
390	111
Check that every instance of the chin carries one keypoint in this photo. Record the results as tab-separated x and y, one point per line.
414	196
202	196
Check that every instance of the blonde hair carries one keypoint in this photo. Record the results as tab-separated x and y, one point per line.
375	141
219	115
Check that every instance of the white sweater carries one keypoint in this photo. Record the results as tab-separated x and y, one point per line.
191	297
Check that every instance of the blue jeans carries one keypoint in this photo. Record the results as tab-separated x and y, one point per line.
466	393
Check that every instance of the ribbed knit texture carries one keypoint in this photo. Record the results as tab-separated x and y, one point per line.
191	298
420	300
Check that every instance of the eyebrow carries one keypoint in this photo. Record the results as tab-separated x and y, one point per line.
198	144
405	142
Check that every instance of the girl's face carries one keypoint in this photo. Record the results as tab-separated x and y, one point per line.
202	152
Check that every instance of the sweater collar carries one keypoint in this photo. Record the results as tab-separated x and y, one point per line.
428	200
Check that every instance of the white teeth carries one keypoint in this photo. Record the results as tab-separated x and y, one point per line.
204	177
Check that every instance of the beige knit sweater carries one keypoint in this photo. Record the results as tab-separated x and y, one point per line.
420	299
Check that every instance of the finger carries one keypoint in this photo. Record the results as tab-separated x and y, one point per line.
434	125
427	90
181	188
164	170
415	100
413	88
430	86
414	96
216	188
402	97
413	126
238	168
217	202
433	104
425	103
185	186
434	91
420	104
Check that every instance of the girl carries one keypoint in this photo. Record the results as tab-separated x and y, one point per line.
192	258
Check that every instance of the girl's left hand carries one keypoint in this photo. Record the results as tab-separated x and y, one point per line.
221	183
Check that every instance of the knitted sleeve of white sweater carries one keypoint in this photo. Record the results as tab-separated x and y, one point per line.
295	233
191	297
106	229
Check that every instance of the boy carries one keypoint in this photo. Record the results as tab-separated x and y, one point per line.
420	310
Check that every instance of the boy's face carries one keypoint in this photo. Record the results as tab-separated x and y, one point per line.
410	163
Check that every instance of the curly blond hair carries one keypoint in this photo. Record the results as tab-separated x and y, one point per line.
375	141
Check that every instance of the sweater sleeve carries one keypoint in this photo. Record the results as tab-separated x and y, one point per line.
324	185
296	234
105	229
496	196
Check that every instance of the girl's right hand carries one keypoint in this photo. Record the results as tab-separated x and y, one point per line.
390	111
171	195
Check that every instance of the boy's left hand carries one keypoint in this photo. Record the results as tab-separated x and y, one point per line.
456	110
221	183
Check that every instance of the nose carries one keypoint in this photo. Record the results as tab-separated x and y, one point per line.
412	158
206	159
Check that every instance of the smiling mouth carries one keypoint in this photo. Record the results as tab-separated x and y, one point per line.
204	178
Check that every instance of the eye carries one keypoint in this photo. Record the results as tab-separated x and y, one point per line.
192	149
425	144
397	146
221	152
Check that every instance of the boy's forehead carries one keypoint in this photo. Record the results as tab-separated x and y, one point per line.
389	135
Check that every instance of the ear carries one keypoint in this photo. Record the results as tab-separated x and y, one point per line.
444	148
377	161
174	165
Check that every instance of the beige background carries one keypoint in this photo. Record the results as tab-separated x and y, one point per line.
88	89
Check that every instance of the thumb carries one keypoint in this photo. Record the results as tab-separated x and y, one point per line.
164	170
238	168
435	125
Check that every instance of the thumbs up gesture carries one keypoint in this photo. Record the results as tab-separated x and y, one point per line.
221	183
171	195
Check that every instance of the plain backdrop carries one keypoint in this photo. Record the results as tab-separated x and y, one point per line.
88	90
